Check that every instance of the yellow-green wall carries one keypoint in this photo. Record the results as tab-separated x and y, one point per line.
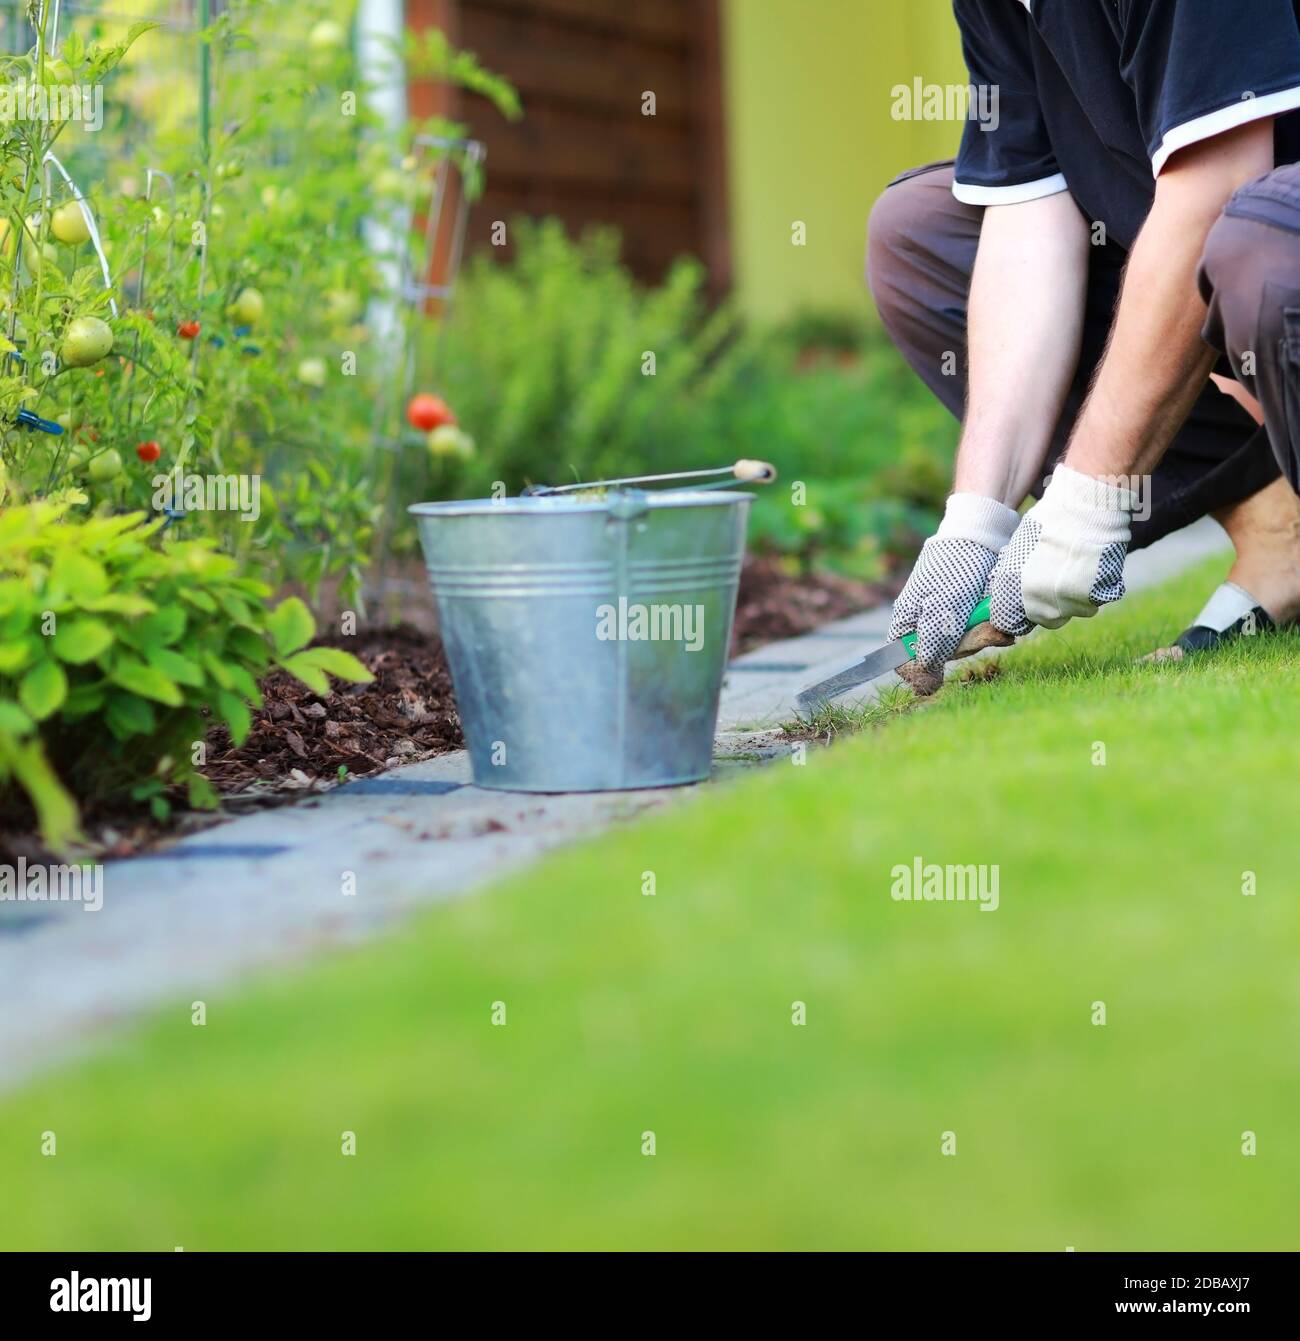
810	136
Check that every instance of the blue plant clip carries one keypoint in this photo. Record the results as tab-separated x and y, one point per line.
172	515
32	422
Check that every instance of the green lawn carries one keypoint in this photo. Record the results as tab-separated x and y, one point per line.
1120	883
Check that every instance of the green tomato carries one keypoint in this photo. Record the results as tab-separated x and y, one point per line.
68	224
311	372
448	440
327	35
34	254
106	466
86	341
71	420
247	309
343	305
390	184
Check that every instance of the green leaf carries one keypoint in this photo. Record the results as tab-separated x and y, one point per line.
200	600
234	712
13	719
43	689
176	667
14	595
127	715
83	699
56	811
253	647
218	669
164	626
80	639
17	654
308	672
291	626
337	662
119	603
202	794
79	576
147	681
243	684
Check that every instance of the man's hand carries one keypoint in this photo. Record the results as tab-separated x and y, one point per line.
948	582
1066	559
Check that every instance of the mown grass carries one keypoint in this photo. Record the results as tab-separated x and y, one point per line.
626	1013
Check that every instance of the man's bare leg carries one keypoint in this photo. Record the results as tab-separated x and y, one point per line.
1265	532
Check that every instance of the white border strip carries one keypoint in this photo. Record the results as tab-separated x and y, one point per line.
1010	195
1226	118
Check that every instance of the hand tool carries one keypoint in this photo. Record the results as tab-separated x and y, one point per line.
818	696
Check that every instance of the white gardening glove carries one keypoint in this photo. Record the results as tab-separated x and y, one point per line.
949	581
1066	559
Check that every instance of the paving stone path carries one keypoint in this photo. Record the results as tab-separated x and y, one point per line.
281	886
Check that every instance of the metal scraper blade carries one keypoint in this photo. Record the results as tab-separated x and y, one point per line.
818	696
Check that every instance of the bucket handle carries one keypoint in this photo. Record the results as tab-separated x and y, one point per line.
747	471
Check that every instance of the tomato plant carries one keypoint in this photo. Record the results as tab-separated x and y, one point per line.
249	284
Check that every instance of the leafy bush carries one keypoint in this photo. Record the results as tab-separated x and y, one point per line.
565	368
117	650
858	529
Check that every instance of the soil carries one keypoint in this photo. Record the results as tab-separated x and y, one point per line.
773	604
300	738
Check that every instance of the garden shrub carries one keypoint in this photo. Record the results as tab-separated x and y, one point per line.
119	647
566	368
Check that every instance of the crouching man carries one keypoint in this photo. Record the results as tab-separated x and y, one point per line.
1112	273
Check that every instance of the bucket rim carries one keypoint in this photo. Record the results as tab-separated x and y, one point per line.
549	505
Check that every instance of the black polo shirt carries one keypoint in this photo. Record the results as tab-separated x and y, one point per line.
1094	96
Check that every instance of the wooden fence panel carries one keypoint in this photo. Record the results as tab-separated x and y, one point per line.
584	151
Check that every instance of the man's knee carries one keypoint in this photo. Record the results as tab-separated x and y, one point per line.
894	227
1229	278
902	229
1249	276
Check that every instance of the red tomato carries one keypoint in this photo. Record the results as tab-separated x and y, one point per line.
148	451
427	412
187	330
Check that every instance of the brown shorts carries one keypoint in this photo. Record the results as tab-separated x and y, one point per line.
921	248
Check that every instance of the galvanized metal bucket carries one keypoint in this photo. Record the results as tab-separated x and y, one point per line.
587	636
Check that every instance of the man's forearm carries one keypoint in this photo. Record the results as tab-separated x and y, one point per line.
1025	327
1157	364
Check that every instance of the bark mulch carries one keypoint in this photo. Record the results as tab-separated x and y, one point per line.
774	604
300	739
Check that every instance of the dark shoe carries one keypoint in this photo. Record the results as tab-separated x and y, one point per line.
1229	614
